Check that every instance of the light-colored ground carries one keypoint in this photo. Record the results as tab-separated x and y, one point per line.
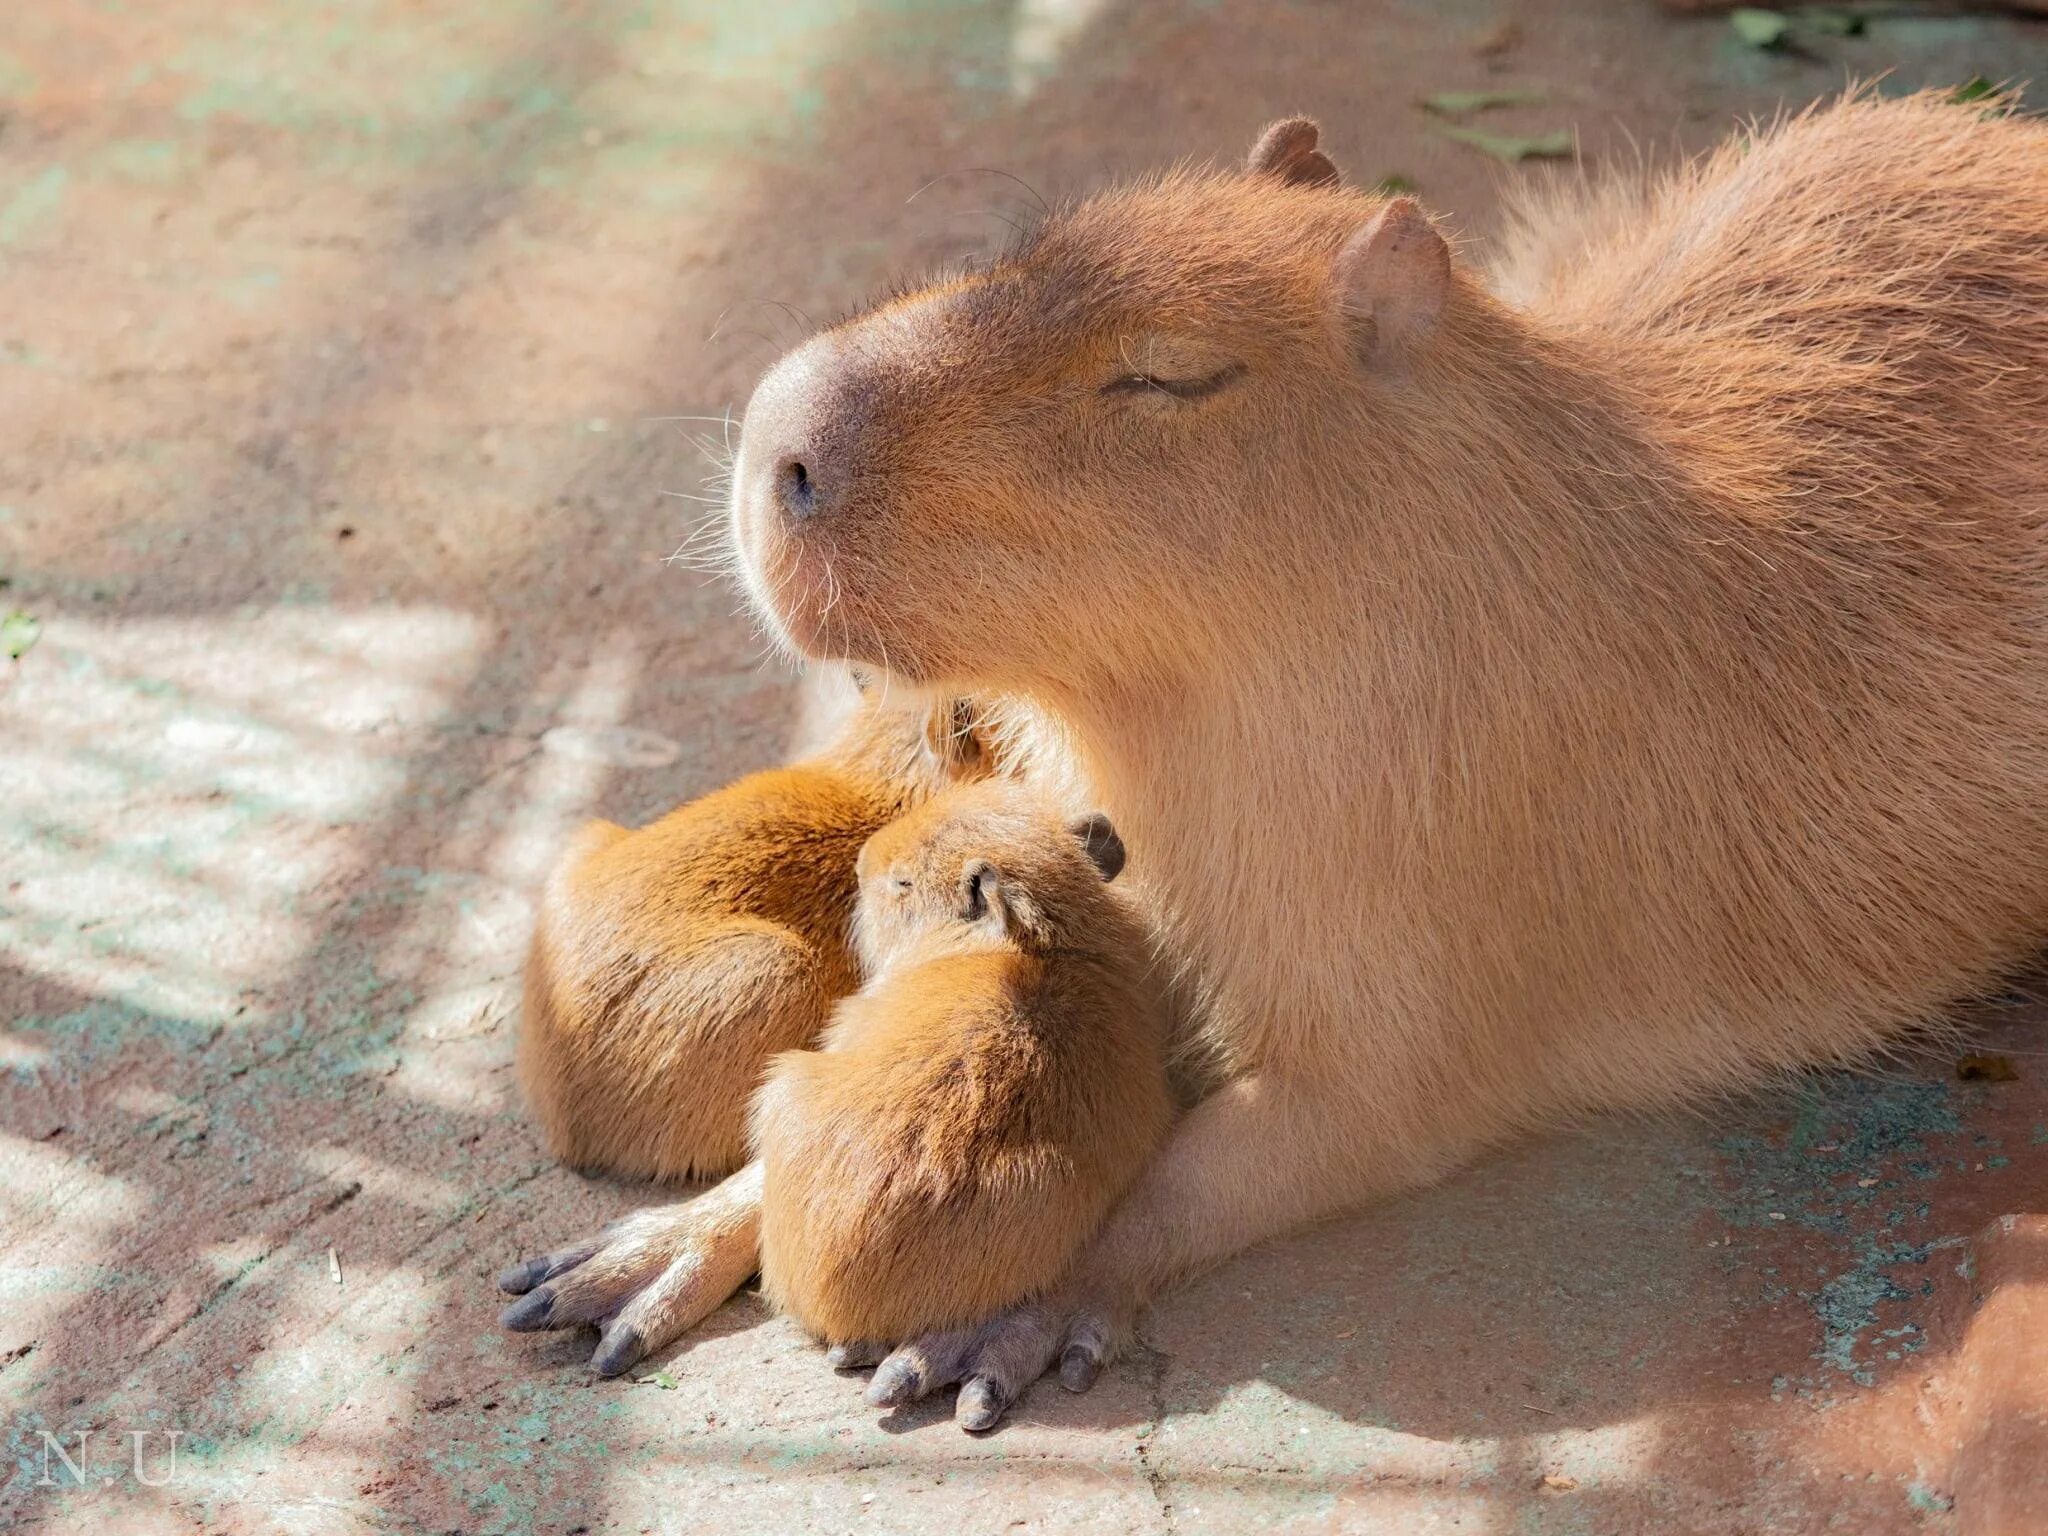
334	343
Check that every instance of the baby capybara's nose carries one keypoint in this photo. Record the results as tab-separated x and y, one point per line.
796	442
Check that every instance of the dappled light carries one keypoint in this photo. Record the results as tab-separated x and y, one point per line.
347	354
174	786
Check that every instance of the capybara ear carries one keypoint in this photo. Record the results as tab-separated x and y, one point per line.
953	737
1288	150
966	748
987	895
980	887
1099	840
1392	277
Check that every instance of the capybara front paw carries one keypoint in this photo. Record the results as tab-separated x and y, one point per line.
995	1362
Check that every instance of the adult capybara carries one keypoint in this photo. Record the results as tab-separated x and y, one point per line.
1597	690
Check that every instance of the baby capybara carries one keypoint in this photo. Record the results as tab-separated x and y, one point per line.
985	1097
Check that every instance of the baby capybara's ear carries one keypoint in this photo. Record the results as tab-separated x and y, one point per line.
1099	840
1288	150
954	737
979	889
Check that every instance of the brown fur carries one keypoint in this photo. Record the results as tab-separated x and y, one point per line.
1519	709
669	963
1595	691
983	1100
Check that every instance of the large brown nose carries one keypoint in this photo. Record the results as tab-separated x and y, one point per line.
798	448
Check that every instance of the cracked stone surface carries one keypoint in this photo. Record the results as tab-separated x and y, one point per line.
347	350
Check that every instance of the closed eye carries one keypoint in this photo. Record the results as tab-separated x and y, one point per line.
1179	389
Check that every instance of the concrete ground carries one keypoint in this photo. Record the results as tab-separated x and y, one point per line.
341	346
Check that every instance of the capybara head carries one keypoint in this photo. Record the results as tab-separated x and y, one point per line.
1060	456
991	865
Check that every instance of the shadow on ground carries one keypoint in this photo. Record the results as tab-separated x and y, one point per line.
337	371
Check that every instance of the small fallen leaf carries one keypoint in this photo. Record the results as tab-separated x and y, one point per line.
1546	146
1454	103
1760	29
660	1379
1987	1069
1976	88
1866	1183
1347	1333
1559	1482
334	1266
18	634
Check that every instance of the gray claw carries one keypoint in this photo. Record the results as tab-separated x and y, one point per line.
897	1382
980	1405
531	1312
1079	1367
854	1357
518	1279
618	1351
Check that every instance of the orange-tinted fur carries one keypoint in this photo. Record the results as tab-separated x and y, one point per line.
1591	690
669	963
980	1103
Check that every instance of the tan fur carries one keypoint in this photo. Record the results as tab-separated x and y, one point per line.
1584	703
670	963
983	1100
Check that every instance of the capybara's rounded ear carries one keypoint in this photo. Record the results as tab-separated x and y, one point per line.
1392	278
1288	150
980	885
953	736
1101	843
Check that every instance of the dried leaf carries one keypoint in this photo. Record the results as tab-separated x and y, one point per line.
1760	29
1558	1482
1509	147
1987	1069
1454	103
18	634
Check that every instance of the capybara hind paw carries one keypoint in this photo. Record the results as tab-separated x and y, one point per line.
646	1279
